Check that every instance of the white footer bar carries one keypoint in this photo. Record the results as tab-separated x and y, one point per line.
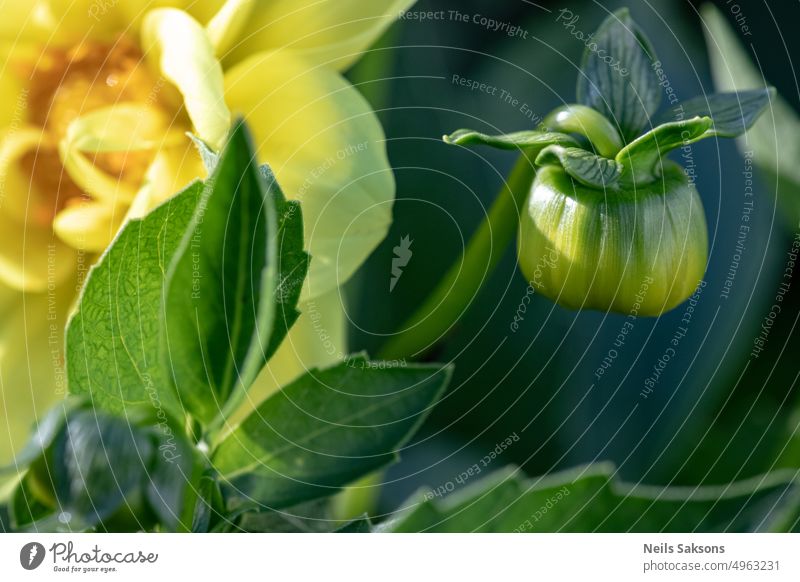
401	557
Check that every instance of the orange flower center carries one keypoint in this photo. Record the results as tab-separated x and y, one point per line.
68	83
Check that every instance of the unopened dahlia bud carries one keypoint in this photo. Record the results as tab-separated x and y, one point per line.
609	223
641	250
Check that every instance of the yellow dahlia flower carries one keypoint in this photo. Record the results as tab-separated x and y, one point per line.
98	96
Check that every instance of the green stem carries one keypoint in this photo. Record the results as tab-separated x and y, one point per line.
218	428
447	303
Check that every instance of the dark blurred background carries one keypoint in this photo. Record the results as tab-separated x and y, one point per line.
716	414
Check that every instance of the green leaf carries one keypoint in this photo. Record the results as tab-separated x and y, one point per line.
233	274
732	113
292	263
775	139
5	519
584	166
618	78
308	517
529	140
42	437
113	348
97	465
591	499
26	507
109	472
235	264
360	525
641	159
170	487
326	429
292	260
209	509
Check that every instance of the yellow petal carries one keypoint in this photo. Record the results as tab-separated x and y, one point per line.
65	22
58	22
32	376
170	172
205	11
32	20
226	25
333	32
318	339
90	226
177	168
91	179
327	150
16	98
123	127
134	11
157	176
31	257
186	58
18	195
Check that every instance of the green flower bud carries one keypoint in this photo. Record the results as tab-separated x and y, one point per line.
639	250
609	222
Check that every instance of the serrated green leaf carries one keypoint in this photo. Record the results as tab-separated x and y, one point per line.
732	113
641	159
225	282
531	140
113	349
293	263
584	166
326	429
617	76
591	499
775	139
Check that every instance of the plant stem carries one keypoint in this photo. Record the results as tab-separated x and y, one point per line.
218	428
452	296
